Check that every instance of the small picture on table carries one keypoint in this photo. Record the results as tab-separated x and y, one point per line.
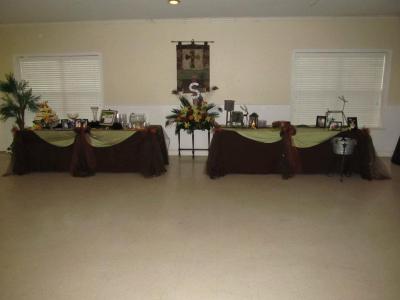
321	122
237	118
352	122
107	117
64	123
84	123
78	123
334	125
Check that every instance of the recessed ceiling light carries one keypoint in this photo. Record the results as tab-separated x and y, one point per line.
174	2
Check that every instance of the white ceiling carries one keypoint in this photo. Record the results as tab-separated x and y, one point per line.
22	11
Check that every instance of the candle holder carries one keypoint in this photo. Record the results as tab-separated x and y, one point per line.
94	110
253	120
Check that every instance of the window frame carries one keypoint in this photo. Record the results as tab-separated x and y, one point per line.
17	69
386	75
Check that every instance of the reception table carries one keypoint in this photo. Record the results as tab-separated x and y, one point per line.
396	154
83	152
285	151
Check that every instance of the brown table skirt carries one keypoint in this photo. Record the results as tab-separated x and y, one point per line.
232	153
144	152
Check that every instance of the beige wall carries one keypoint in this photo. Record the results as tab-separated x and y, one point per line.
250	59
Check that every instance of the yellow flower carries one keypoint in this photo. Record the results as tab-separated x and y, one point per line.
187	124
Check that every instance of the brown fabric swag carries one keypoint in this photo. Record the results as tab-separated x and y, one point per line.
144	152
231	153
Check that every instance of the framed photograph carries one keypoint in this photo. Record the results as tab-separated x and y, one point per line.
237	118
78	123
352	122
64	123
320	122
107	117
84	123
334	125
262	123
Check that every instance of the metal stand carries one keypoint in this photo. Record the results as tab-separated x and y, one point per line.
193	149
342	163
343	149
228	119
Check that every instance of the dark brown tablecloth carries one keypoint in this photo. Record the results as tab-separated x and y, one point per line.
144	152
396	154
232	153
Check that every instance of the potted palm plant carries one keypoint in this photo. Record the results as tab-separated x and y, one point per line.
17	98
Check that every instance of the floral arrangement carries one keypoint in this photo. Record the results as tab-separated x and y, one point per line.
199	115
45	117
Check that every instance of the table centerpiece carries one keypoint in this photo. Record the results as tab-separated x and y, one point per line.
189	117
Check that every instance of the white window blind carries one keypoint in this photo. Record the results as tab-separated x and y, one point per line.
320	77
70	84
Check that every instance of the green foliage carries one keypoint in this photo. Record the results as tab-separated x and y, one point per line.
17	98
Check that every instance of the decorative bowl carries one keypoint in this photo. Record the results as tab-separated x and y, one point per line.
72	116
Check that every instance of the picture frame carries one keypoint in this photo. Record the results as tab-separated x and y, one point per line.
78	123
65	124
335	125
262	123
320	122
237	118
107	117
84	123
352	122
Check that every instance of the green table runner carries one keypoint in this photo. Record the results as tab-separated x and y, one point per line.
263	135
304	138
96	138
310	137
59	138
108	138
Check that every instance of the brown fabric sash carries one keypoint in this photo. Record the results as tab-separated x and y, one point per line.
83	162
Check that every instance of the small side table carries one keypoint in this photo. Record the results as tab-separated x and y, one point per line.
193	149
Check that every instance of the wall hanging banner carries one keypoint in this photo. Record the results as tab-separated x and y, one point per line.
193	65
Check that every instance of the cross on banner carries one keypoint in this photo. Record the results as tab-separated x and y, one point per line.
192	56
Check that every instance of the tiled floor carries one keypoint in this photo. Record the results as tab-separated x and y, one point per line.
184	236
